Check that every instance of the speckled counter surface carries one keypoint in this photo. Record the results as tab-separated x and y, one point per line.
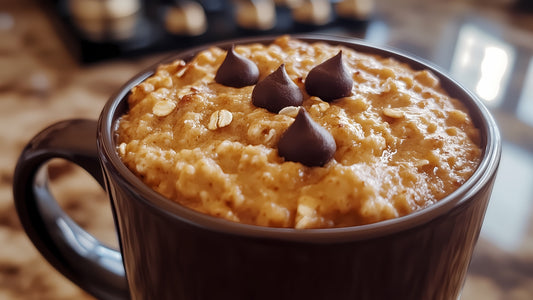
40	83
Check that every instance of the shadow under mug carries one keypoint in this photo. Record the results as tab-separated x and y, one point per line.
168	251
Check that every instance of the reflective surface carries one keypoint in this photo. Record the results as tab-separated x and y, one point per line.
486	45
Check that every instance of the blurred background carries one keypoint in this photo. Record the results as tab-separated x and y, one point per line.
63	59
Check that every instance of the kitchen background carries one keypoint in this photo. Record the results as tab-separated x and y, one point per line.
62	59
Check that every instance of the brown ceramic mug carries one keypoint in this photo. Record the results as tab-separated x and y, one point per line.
168	251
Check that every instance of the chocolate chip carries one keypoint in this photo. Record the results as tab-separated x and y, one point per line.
307	142
329	80
237	71
277	91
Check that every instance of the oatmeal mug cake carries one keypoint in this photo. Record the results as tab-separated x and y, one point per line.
296	134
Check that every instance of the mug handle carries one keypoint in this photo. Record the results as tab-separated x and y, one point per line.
83	259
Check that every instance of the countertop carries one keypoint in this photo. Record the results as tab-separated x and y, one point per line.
486	45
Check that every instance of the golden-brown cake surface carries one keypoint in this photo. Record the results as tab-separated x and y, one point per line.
401	142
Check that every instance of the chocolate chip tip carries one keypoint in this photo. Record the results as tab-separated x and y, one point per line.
330	80
306	142
277	91
236	70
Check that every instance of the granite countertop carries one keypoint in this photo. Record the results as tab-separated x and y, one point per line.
486	45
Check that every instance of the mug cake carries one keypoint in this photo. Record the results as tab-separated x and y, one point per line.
296	134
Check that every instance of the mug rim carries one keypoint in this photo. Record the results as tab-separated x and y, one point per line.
490	142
